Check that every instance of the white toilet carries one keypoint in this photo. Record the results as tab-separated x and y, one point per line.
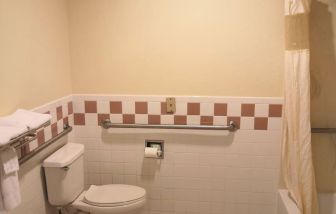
64	172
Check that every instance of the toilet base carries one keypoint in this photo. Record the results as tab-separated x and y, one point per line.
133	208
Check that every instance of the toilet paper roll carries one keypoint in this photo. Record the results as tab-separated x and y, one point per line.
151	152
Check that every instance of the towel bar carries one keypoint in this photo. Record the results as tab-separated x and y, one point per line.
67	129
24	137
27	137
106	124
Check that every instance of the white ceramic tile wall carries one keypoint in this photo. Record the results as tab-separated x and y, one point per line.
202	171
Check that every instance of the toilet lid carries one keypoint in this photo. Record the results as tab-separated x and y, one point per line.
113	194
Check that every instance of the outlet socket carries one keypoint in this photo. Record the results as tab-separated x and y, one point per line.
171	105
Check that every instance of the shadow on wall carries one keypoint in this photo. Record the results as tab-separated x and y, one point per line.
323	88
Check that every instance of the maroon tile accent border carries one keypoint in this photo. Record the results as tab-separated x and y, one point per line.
79	119
193	109
70	108
128	118
40	137
260	123
102	117
164	108
247	110
90	106
154	119
54	130
59	113
141	107
220	109
115	107
275	110
207	120
180	120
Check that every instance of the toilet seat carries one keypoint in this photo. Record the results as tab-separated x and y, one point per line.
113	195
97	199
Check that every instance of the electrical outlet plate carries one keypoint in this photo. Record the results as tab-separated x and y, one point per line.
171	105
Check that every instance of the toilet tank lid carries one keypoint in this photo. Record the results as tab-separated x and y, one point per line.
64	156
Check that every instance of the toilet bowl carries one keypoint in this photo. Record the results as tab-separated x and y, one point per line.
64	173
108	199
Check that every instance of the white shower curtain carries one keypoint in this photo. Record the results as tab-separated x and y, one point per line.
297	164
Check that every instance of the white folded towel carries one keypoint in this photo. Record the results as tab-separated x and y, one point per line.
10	191
26	118
9	132
9	159
9	182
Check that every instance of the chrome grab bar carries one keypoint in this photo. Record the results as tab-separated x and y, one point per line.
106	124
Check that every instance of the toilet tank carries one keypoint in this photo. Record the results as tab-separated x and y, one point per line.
64	173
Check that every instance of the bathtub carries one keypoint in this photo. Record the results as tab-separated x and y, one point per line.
327	203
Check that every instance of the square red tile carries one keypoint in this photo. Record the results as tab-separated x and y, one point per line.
154	119
54	130
236	121
40	137
128	118
207	120
59	113
79	119
220	109
66	121
102	117
141	107
260	123
25	150
70	108
275	110
247	110
193	109
164	108
180	120
90	106
115	107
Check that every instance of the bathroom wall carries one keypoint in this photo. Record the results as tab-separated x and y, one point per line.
202	171
323	75
34	53
178	47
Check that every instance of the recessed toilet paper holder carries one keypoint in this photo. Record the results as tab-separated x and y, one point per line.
156	144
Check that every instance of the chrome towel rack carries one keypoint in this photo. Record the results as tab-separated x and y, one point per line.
24	139
323	130
66	129
106	124
29	135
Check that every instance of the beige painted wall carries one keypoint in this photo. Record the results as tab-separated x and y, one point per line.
323	73
34	53
179	47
